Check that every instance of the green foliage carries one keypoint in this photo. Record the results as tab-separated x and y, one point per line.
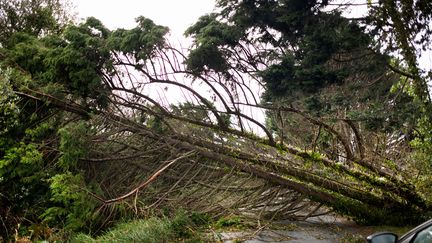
9	110
179	225
73	210
74	60
51	60
318	61
25	165
140	42
365	214
207	30
28	179
78	60
309	39
71	206
26	51
422	156
210	34
198	59
22	186
278	76
178	229
151	230
200	219
20	173
73	144
229	222
40	156
31	17
20	160
307	69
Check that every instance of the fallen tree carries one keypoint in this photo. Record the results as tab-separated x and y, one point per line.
121	120
367	191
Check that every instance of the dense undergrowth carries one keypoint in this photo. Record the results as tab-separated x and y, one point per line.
180	228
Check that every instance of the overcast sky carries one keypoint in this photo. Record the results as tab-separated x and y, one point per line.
175	14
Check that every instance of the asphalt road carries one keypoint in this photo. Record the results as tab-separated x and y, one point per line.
327	229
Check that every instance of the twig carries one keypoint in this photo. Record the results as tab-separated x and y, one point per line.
150	180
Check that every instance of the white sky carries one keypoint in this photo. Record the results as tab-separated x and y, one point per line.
178	15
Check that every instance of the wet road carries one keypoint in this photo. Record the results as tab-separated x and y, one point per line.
326	229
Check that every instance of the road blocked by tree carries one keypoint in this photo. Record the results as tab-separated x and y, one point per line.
91	137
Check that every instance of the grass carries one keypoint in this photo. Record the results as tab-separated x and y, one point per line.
178	229
228	222
150	230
